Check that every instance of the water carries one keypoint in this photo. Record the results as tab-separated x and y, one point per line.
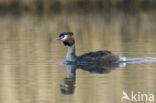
30	68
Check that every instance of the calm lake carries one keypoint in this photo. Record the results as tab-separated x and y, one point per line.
30	68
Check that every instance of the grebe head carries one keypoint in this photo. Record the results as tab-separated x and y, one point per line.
66	38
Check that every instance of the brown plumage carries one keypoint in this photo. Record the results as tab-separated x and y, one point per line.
70	40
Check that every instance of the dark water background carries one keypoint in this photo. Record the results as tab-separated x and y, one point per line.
30	71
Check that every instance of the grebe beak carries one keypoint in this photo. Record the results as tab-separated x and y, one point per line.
57	38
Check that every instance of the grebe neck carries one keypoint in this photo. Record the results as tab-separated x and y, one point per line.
71	53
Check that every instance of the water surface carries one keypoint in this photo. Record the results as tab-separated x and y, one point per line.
30	71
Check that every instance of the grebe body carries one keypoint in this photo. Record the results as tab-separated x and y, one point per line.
94	57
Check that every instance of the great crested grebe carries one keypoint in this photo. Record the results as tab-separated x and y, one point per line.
94	57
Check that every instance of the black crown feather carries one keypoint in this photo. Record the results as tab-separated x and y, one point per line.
66	33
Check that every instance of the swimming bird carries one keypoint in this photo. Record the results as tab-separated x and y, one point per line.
90	57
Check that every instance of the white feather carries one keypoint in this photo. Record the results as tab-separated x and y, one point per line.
64	38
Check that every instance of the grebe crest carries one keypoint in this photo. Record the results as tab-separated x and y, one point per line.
94	57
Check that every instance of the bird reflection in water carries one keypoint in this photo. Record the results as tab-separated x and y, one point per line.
68	85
